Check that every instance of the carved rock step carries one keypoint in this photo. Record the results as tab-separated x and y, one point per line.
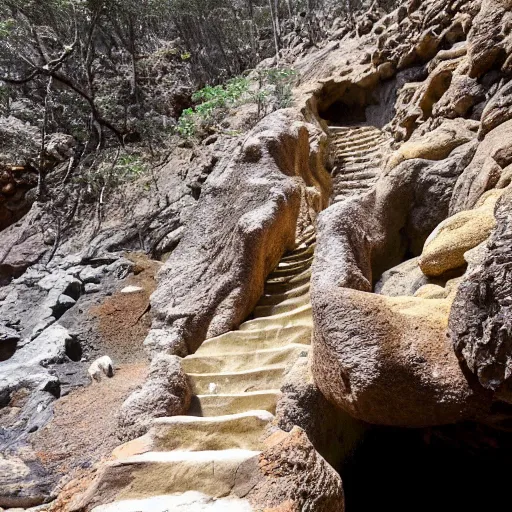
257	379
241	361
358	175
355	185
360	143
243	431
216	473
233	403
191	501
293	279
352	139
257	339
299	316
290	270
271	299
302	252
284	306
296	264
350	153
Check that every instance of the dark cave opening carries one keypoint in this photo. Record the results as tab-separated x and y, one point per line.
7	349
406	469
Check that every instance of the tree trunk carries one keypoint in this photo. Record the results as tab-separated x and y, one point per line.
276	39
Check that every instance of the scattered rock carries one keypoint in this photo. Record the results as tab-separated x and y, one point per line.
102	366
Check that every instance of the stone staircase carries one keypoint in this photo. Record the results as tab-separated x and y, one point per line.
236	378
359	151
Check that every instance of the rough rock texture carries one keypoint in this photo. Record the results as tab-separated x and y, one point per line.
399	368
484	172
434	145
166	392
480	320
293	476
333	433
217	273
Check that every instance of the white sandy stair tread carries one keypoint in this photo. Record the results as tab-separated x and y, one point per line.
236	378
358	153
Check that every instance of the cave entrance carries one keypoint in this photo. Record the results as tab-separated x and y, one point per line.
344	104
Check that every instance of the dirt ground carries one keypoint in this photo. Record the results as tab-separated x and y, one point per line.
83	430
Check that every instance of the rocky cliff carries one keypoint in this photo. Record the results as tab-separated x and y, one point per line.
343	267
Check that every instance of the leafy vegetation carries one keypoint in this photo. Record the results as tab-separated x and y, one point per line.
269	89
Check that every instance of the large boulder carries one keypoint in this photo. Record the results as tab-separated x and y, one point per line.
494	153
434	145
248	214
397	369
445	248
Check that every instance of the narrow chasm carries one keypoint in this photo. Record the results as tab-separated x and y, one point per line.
450	469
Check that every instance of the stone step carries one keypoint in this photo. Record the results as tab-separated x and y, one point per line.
356	138
354	185
190	501
290	271
213	472
302	252
299	316
346	168
345	154
233	403
356	175
243	341
241	361
282	307
255	379
271	299
366	143
291	280
346	162
296	263
243	431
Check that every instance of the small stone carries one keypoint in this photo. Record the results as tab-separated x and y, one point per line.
91	274
66	301
132	289
92	288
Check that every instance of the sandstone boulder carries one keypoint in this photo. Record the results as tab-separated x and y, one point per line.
493	154
435	145
399	369
444	249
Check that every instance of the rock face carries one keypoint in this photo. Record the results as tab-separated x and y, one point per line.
274	186
480	320
288	474
445	248
399	369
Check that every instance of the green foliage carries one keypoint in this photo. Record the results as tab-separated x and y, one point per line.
112	172
6	27
269	89
212	102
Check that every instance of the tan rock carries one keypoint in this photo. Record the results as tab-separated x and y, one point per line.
444	249
435	145
387	360
483	173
